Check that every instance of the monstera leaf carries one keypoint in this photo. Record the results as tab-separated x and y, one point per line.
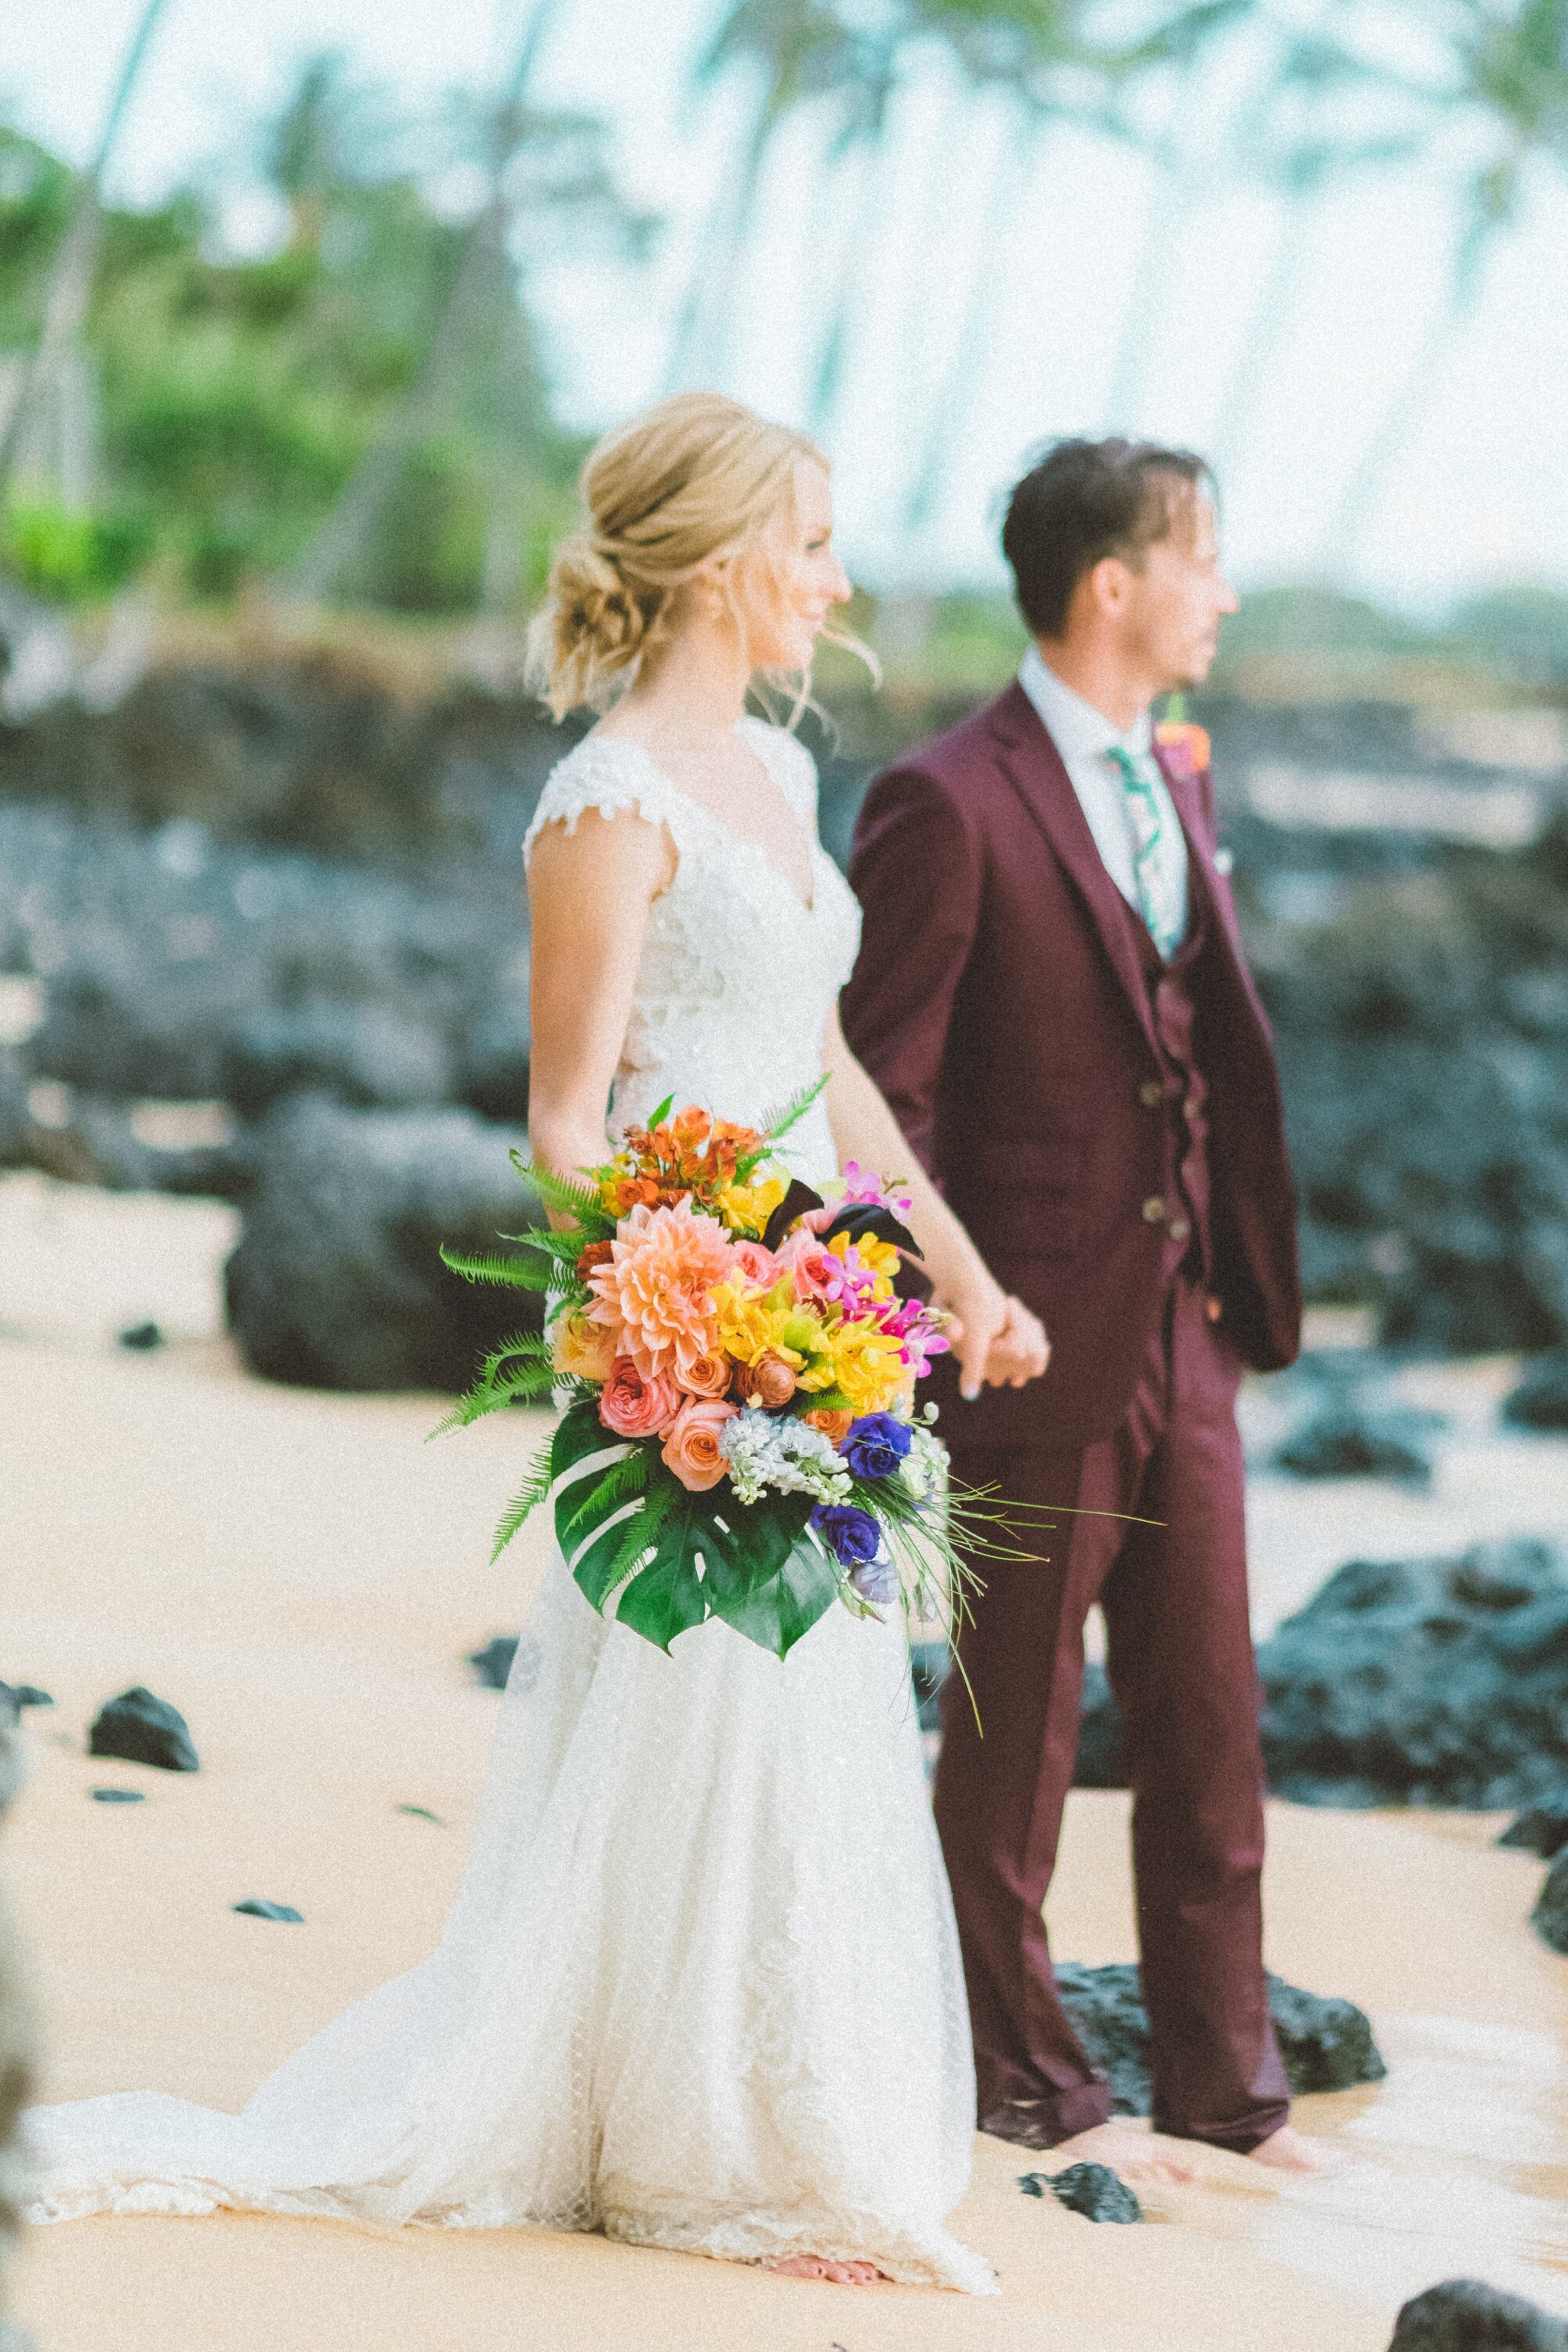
753	1565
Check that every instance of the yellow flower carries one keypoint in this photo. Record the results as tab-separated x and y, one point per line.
867	1365
746	1208
746	1322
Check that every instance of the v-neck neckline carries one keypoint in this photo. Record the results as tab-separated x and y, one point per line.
738	840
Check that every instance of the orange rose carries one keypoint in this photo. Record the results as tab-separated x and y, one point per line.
691	1448
584	1349
770	1380
835	1426
705	1375
634	1405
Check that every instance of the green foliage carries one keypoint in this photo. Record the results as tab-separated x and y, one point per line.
69	556
680	1557
238	397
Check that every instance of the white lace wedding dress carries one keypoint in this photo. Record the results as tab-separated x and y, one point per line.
701	1988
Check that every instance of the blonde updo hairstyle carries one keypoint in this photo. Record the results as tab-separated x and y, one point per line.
696	479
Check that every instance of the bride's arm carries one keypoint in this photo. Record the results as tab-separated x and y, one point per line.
996	1339
589	892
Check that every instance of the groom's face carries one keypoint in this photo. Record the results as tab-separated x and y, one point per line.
1176	600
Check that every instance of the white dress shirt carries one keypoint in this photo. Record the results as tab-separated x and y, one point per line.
1083	736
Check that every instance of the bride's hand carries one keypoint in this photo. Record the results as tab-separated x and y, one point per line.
996	1338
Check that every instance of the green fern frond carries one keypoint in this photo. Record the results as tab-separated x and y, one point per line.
778	1123
528	1497
572	1196
641	1534
515	1272
628	1477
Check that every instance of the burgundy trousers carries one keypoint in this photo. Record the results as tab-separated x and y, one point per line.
1180	1663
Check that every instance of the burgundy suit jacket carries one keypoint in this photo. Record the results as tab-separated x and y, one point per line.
999	1004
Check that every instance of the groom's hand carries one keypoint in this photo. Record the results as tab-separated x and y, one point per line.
996	1339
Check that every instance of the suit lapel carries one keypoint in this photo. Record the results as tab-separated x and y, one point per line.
1034	768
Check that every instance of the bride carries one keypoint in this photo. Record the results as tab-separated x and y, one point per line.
701	1988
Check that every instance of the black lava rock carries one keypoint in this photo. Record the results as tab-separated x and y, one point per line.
1550	1916
29	1695
1326	2043
1102	1763
1541	1400
118	1797
1091	2189
1440	1682
1543	1828
1345	1440
143	1730
492	1664
1463	2315
142	1338
284	1913
364	1054
338	1282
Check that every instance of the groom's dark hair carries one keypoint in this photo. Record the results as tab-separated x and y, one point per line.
1082	501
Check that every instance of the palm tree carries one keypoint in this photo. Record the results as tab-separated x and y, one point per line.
70	282
1042	55
537	165
795	52
1509	69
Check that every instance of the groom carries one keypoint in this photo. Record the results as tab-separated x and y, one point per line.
1051	994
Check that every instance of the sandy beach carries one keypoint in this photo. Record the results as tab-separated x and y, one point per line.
302	1576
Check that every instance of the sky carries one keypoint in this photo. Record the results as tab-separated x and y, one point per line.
996	290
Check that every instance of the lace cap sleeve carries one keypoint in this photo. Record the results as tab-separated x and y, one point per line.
789	763
608	773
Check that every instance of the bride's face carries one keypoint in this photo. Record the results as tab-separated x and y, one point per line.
803	574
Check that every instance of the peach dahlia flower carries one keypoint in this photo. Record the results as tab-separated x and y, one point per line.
655	1291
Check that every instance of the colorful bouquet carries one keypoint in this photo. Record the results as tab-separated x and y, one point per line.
741	1438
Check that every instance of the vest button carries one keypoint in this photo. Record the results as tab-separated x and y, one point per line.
1154	1209
1179	1229
1152	1093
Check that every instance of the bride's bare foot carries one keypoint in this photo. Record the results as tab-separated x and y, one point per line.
1134	2154
1288	2150
819	2266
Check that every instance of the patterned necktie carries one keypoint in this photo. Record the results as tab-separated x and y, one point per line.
1156	873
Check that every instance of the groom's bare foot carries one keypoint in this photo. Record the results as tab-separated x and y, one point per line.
1134	2154
819	2266
1288	2150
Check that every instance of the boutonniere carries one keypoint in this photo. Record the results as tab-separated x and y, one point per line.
1186	747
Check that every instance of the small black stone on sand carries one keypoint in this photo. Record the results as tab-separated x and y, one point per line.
493	1662
1542	1830
1550	1916
254	1908
1091	2189
1541	1400
118	1797
142	1338
1466	2315
28	1694
144	1731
